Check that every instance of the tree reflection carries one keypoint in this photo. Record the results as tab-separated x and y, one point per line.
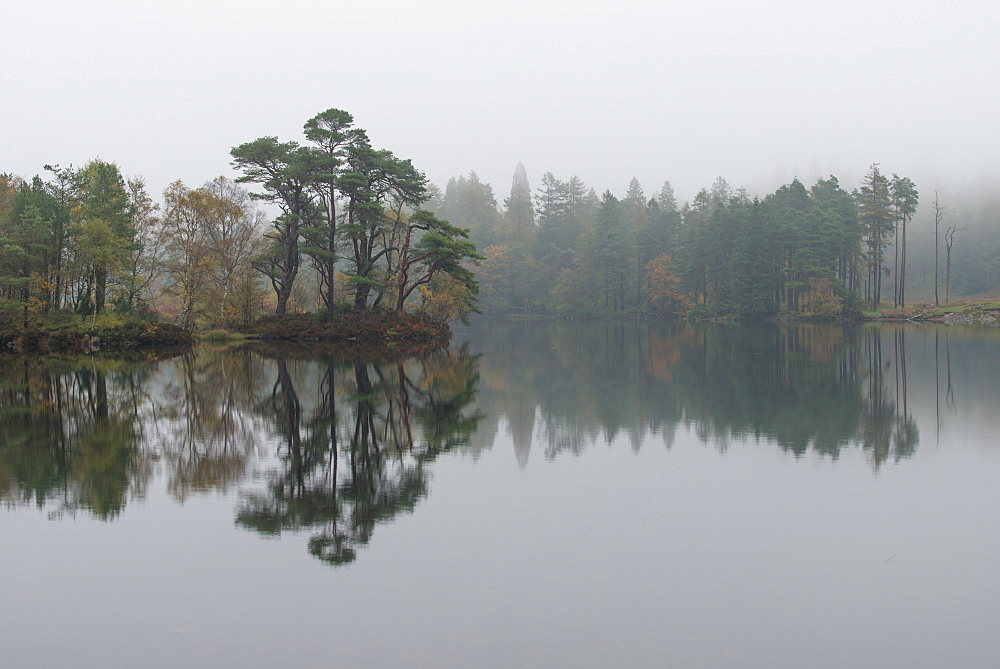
804	387
888	431
91	433
353	432
356	429
202	429
359	452
71	433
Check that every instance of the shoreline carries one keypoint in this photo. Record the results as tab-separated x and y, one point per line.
67	334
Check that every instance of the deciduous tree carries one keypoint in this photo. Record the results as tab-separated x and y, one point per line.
663	286
146	252
102	212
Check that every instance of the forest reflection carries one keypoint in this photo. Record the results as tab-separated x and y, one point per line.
353	432
91	433
69	434
800	386
331	442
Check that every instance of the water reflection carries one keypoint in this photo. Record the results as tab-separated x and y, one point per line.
357	450
800	386
201	427
331	442
70	434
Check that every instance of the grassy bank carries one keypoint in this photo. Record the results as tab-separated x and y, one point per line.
70	333
368	327
965	310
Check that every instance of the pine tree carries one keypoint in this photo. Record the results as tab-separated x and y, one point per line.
904	202
519	214
609	253
876	218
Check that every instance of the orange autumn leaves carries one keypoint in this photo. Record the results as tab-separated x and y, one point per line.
663	285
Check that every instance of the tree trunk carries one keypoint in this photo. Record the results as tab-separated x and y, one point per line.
897	288
902	269
937	223
100	289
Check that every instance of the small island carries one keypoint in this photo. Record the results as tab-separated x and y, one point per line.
332	244
66	333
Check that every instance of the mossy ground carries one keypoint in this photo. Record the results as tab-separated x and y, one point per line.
219	336
70	333
366	327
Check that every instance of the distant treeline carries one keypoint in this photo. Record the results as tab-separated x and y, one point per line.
358	228
819	252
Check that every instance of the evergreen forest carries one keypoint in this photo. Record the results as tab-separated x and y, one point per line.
803	252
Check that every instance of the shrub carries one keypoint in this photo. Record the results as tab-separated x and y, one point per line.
217	335
820	302
699	312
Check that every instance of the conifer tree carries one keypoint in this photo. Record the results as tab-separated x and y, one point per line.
876	218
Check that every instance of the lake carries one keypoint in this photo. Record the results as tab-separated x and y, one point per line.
537	494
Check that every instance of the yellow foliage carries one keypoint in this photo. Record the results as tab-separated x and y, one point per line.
820	301
445	304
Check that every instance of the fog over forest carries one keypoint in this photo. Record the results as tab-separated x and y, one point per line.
758	93
618	99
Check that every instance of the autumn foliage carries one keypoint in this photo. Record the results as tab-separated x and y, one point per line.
663	285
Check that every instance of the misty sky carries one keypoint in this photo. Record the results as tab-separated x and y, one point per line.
756	92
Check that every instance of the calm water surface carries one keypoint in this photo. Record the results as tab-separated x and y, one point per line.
538	494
